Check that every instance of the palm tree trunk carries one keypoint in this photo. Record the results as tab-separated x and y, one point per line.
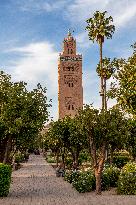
105	100
102	90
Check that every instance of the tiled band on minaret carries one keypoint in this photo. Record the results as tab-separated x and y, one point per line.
70	91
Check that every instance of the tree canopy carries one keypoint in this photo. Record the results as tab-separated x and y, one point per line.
22	113
124	86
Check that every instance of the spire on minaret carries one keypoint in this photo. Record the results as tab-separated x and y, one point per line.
69	33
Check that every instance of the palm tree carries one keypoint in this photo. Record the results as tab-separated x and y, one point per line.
98	28
107	71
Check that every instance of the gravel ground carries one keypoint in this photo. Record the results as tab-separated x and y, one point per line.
36	184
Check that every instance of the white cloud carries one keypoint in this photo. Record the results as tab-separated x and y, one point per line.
80	10
123	11
124	16
38	63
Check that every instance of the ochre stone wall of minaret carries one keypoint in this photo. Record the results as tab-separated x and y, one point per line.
70	90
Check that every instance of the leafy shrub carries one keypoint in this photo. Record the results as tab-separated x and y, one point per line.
81	181
105	183
19	157
110	177
69	162
121	158
84	157
5	179
127	179
85	182
71	176
51	159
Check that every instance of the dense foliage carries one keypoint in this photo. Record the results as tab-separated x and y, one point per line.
84	181
81	181
107	68
5	179
124	86
121	158
65	136
127	179
100	26
110	177
22	115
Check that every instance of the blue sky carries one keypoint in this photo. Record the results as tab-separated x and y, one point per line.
31	35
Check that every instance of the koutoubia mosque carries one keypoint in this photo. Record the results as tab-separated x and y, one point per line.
70	90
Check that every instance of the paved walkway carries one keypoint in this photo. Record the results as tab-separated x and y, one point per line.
36	184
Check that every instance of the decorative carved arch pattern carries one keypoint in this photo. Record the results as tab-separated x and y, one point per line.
70	79
70	66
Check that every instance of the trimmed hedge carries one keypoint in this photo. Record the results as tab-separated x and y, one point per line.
81	181
127	179
110	177
121	158
85	181
71	176
5	179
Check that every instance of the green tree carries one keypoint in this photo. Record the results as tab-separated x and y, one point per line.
54	138
77	139
101	128
131	138
124	86
22	115
65	134
99	27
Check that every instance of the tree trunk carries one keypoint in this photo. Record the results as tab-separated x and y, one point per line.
76	160
76	157
98	176
105	100
3	144
98	165
7	151
63	158
57	158
102	89
111	155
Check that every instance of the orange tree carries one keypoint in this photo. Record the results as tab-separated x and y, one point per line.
123	88
101	129
65	134
22	115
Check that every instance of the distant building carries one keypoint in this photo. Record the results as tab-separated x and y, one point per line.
70	90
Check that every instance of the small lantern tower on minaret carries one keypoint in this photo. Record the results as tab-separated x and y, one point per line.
70	90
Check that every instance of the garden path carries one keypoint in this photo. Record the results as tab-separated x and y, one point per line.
36	184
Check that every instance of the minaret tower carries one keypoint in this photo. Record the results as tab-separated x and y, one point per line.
70	90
